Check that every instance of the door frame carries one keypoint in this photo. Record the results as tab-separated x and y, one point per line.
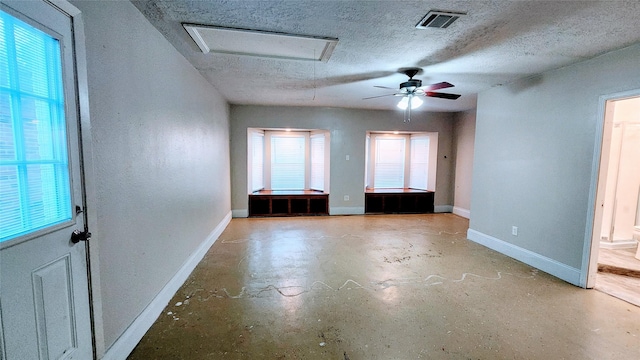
87	173
602	150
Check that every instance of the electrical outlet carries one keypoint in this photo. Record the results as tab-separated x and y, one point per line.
347	157
346	198
514	230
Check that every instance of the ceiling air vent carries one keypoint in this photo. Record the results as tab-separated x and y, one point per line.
438	19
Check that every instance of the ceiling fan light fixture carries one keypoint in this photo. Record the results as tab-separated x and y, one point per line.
415	102
404	103
409	101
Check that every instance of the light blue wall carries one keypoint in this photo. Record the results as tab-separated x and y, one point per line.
161	156
464	136
535	146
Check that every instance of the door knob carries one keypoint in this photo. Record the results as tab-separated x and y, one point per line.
77	236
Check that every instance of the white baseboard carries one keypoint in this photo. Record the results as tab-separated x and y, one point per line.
553	267
346	210
443	208
240	213
130	338
620	244
462	212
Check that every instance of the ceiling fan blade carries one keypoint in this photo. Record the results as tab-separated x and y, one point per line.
379	96
442	95
438	86
384	87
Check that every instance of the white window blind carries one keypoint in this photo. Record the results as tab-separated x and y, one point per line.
317	162
389	163
34	168
419	164
287	162
257	161
367	183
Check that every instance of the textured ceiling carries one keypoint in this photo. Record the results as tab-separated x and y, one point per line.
495	43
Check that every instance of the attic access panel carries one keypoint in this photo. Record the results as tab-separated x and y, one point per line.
225	40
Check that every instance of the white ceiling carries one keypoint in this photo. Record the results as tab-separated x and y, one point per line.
495	43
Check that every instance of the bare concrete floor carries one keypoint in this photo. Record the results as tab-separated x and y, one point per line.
380	287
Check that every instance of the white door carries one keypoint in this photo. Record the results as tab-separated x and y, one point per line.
44	302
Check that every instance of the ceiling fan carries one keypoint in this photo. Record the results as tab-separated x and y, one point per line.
412	90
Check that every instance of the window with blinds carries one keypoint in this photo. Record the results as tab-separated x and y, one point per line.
34	167
389	163
257	161
316	181
419	164
401	160
288	162
367	180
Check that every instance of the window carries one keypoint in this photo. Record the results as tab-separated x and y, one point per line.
288	162
419	166
291	160
317	162
257	160
401	161
34	167
389	163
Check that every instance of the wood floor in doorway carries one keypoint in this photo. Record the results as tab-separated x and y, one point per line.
611	265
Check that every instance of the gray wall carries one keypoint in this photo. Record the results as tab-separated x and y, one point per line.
161	158
348	129
464	137
534	150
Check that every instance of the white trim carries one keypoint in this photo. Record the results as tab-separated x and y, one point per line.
548	265
591	245
240	213
621	244
465	213
346	210
88	173
443	208
130	338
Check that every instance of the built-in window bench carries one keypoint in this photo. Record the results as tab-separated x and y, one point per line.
288	203
398	201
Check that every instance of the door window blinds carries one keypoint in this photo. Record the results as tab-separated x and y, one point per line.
34	167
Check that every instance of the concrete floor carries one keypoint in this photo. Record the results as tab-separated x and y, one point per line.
380	287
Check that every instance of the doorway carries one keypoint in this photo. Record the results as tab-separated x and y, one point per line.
45	305
615	260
